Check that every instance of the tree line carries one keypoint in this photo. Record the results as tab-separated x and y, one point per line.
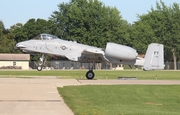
92	22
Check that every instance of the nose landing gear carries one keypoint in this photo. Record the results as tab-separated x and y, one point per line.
39	68
41	62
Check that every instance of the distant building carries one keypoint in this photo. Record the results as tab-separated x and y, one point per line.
14	61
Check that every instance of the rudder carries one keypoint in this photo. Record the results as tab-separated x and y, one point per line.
154	58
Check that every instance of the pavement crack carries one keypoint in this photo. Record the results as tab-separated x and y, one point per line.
78	81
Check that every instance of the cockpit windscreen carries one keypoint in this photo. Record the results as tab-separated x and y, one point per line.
45	37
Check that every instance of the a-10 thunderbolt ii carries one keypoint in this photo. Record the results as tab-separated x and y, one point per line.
113	53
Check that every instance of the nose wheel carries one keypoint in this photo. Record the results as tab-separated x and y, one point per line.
90	74
39	68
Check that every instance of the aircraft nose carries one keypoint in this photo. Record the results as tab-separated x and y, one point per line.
19	46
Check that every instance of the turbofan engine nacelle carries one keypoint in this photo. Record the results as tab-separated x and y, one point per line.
121	52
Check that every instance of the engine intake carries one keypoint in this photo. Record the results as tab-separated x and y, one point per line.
121	52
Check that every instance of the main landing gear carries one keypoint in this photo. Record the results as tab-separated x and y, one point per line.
41	62
90	74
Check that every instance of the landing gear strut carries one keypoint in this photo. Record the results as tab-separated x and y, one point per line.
90	74
41	62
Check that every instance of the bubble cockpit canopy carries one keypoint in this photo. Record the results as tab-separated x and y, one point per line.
45	37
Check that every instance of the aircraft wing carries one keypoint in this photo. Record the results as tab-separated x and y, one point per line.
90	54
98	53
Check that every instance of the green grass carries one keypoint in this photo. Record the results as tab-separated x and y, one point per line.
123	99
99	74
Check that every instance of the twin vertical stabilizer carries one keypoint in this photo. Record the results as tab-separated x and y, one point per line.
154	58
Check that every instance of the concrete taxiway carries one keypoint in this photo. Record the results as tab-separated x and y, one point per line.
39	96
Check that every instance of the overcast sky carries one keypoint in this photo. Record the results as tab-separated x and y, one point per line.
20	11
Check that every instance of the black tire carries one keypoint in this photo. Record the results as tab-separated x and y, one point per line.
39	68
90	74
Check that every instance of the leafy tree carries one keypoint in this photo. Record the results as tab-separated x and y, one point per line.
90	22
31	29
6	40
1	28
142	34
19	33
160	25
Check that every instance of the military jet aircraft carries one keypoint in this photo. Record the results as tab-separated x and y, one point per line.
113	53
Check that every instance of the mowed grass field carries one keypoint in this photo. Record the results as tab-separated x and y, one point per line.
122	99
99	74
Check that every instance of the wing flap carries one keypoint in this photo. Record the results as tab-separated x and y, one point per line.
97	52
88	53
72	58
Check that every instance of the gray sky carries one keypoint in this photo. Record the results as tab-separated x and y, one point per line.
20	11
